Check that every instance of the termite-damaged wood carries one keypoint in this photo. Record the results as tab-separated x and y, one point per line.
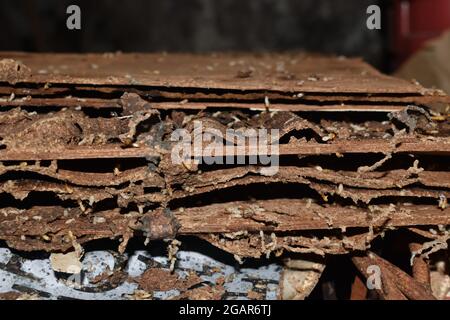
399	178
434	147
51	224
86	143
82	178
290	215
158	224
96	103
318	74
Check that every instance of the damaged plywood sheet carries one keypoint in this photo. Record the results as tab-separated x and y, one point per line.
216	71
205	81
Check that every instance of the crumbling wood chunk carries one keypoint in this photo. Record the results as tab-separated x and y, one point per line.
158	224
158	279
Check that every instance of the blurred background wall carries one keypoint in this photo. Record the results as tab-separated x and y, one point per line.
327	26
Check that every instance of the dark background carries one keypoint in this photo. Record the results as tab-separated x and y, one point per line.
327	26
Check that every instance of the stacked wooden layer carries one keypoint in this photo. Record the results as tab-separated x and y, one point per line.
86	152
